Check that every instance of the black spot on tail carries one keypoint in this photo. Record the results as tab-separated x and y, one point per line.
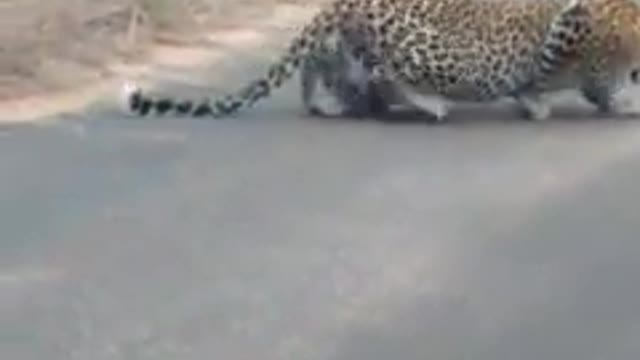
145	106
184	108
164	105
202	110
235	105
135	101
553	56
257	90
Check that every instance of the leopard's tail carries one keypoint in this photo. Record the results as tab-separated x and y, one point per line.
564	42
135	101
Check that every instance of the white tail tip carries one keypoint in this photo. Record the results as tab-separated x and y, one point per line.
127	91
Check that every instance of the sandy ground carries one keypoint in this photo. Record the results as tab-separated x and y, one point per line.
239	26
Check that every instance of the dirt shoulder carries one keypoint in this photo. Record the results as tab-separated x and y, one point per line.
250	24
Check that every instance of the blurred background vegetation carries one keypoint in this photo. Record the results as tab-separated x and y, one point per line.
51	44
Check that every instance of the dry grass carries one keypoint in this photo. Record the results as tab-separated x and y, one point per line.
56	44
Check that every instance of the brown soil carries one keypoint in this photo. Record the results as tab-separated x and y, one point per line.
79	53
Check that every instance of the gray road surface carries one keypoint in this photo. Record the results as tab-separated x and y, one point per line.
280	237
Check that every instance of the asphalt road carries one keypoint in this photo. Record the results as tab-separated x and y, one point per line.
275	236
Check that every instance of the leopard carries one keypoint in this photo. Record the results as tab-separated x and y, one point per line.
335	82
439	52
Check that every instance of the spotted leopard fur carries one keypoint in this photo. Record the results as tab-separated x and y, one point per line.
438	51
336	81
